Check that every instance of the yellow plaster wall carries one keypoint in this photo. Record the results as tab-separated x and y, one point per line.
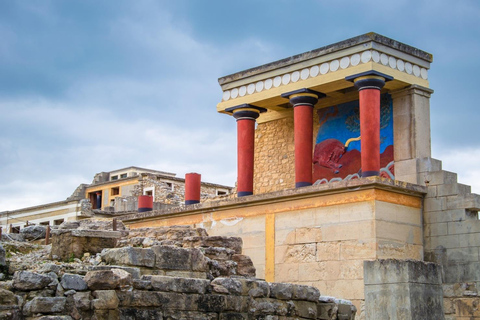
321	240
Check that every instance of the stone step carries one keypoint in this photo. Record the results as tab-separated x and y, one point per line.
429	165
470	201
436	178
452	189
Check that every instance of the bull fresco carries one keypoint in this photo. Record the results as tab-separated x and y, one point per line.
337	153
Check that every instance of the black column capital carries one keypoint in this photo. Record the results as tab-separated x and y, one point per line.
369	80
246	111
303	97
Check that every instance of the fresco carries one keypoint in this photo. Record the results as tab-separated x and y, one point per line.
337	147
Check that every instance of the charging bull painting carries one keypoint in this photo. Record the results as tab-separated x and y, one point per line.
337	150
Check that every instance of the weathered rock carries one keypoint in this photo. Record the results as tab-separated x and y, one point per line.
245	265
282	291
92	224
306	293
108	279
2	256
173	258
54	318
82	300
7	298
185	285
227	286
27	280
105	299
45	305
135	272
129	256
233	243
34	232
73	282
69	244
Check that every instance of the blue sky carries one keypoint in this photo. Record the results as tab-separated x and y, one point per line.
91	86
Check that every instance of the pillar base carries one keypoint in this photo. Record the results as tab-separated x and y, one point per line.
187	202
302	184
370	174
244	193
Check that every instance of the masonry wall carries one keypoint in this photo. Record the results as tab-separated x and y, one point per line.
318	235
275	154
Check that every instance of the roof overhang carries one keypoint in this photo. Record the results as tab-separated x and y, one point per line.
325	70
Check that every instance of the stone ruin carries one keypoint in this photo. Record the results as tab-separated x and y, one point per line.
150	273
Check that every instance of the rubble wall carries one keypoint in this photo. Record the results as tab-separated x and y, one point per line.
275	154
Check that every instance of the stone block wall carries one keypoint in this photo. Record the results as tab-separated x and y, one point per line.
403	289
275	154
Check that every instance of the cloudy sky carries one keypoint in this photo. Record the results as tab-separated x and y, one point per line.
90	86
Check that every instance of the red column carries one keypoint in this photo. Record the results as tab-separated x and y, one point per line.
145	203
246	115
369	85
303	101
192	188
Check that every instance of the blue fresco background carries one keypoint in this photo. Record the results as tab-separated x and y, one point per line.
346	123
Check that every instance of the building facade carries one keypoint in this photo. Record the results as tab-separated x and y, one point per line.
335	175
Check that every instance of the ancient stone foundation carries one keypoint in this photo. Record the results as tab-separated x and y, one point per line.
159	273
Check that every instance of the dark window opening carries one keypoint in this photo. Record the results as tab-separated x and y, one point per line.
123	175
58	222
114	178
115	191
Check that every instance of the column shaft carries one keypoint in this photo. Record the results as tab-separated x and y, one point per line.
245	152
192	188
370	131
303	126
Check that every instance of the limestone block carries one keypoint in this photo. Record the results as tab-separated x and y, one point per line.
399	232
34	232
354	250
73	282
172	258
300	253
287	272
212	303
134	313
468	254
105	299
308	235
45	305
307	293
428	164
134	272
27	280
312	271
185	285
82	300
441	177
108	279
403	290
234	243
435	204
464	227
245	265
7	298
130	256
282	291
142	284
349	231
328	251
183	274
227	286
387	211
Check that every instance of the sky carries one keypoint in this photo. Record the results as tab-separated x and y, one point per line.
90	86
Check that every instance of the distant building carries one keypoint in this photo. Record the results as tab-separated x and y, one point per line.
110	193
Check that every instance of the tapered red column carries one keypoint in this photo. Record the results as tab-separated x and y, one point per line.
192	188
303	101
369	85
246	115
